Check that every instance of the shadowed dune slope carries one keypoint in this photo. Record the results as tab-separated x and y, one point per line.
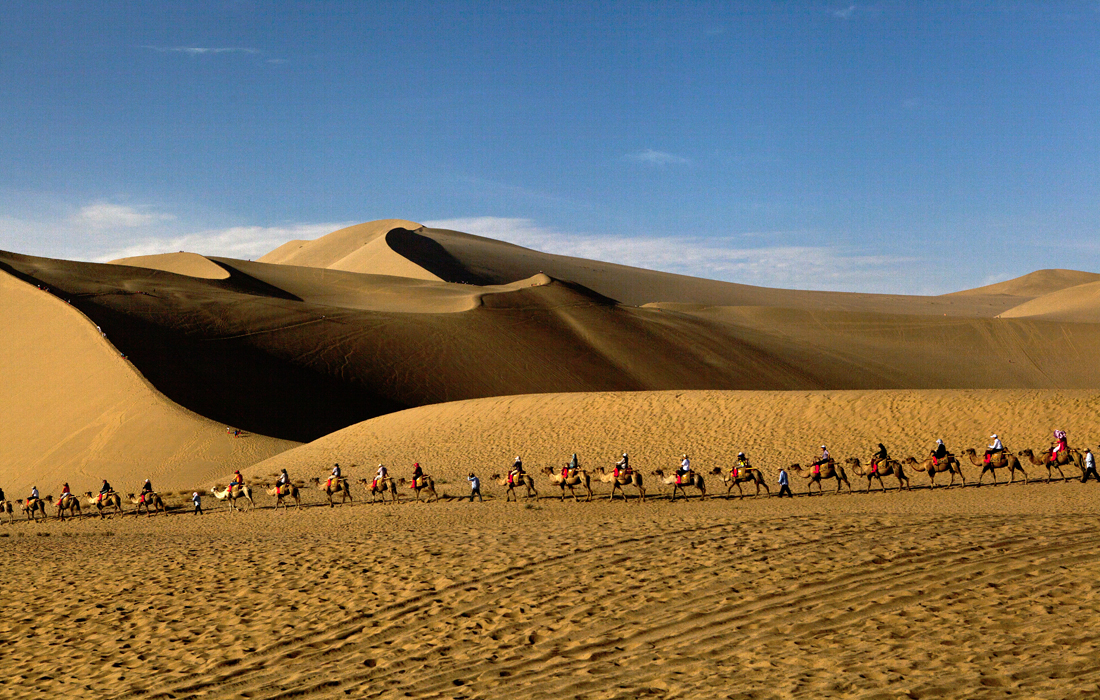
300	352
359	248
774	428
190	264
75	410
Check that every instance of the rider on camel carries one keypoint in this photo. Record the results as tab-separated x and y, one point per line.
742	463
622	467
64	492
379	475
146	489
417	473
996	448
283	480
1061	446
103	491
335	476
823	459
684	470
516	473
878	458
571	468
33	496
940	452
237	480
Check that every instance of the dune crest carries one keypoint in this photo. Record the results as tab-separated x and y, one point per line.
76	411
1033	284
1077	304
181	263
360	248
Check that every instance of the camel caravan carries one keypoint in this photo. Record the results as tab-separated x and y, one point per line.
880	470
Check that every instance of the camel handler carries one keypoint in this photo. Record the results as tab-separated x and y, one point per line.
1061	445
197	500
475	487
417	473
996	448
1090	467
784	484
335	476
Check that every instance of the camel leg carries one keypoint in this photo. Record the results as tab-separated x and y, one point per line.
740	493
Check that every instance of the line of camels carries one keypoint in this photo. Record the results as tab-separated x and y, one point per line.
387	490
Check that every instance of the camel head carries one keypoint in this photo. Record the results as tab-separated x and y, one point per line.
970	451
854	461
716	471
1027	452
658	472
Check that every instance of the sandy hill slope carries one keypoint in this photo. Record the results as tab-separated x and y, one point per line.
774	428
1034	284
1079	304
190	264
75	410
299	352
360	248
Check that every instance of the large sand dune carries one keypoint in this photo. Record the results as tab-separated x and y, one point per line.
76	411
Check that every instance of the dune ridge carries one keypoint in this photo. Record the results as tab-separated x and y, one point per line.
181	263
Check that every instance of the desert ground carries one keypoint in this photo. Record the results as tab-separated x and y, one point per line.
392	343
966	592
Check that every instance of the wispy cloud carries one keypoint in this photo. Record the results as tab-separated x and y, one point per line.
202	50
845	13
103	215
723	258
234	242
652	157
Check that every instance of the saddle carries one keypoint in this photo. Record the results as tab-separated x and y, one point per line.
421	481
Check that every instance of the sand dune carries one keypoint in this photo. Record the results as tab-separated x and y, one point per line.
181	263
774	428
1078	304
360	248
76	411
1034	284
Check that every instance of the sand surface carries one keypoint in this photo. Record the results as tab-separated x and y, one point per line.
775	429
75	410
189	264
976	593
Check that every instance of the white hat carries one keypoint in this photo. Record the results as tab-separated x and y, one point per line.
994	436
939	441
823	447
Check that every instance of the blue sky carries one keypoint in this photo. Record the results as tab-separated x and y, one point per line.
889	147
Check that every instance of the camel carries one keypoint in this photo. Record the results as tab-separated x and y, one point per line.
618	482
693	479
6	509
1065	457
379	489
337	486
70	504
32	507
152	504
886	467
425	483
948	464
579	478
1000	460
829	470
238	492
109	500
511	483
736	477
285	491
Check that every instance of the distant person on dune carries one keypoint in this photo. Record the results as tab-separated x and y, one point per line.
784	484
996	448
197	500
2	495
475	487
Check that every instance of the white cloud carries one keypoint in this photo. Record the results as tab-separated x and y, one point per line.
201	50
243	242
653	157
844	13
107	215
719	257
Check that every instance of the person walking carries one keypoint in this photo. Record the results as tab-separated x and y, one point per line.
197	500
1090	466
784	484
475	488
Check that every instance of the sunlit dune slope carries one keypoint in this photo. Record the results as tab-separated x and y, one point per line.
774	428
360	248
75	410
1033	284
190	264
1079	304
